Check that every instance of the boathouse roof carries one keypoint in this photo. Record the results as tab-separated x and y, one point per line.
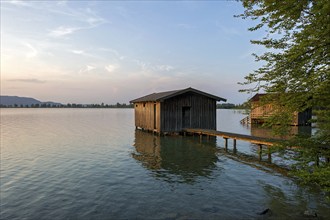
257	97
161	96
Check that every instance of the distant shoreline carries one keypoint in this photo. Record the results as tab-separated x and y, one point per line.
89	107
61	107
27	102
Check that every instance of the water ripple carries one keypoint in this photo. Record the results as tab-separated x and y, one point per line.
91	164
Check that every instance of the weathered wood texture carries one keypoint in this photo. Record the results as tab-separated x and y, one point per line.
171	111
188	110
259	112
147	115
228	135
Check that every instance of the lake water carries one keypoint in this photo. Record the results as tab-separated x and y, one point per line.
92	164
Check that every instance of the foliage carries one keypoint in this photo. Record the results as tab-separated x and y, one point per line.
295	71
296	64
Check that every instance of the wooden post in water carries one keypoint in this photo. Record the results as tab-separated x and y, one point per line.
226	143
260	151
269	155
234	145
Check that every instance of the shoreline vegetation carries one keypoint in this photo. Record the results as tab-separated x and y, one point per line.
102	105
28	102
70	105
295	71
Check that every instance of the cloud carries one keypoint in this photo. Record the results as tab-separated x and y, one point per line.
27	80
143	65
163	68
78	51
86	54
94	20
88	19
148	67
87	69
33	51
61	3
18	3
114	52
62	31
110	68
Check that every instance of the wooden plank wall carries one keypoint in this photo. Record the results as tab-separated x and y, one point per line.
260	112
202	112
144	115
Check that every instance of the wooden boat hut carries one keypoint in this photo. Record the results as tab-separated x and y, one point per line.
172	111
260	111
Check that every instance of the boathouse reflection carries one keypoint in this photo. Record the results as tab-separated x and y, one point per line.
175	158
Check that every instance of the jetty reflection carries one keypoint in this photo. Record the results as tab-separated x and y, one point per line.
175	158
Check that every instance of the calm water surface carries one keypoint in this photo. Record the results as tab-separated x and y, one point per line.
92	164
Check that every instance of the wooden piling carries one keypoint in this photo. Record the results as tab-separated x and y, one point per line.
234	146
226	142
260	141
269	155
260	152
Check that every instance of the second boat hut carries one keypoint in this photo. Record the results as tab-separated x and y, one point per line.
172	111
261	110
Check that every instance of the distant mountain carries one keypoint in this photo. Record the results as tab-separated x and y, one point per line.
22	101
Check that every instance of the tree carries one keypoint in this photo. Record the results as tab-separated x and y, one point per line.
295	69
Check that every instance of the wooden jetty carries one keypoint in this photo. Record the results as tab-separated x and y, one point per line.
260	141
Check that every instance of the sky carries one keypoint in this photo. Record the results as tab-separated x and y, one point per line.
116	51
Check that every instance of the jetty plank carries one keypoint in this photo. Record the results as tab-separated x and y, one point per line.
235	136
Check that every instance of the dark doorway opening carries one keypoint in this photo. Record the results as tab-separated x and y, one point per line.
186	117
